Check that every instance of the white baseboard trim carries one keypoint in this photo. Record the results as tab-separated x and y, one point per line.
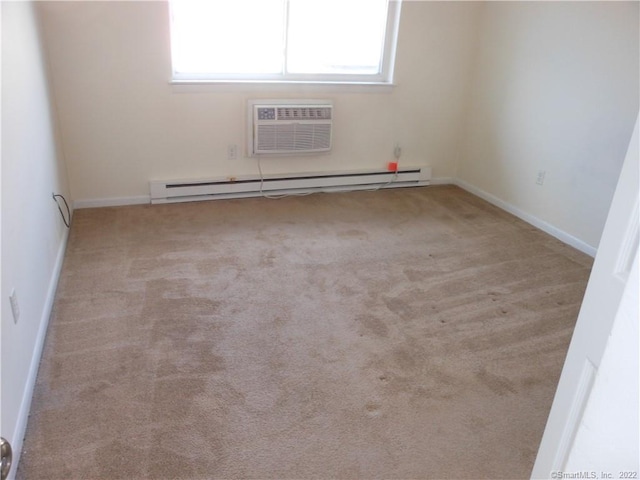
25	404
531	219
443	181
111	202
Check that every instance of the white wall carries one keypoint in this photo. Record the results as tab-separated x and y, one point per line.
556	89
122	123
33	234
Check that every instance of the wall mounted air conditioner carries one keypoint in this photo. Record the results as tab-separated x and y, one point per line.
289	127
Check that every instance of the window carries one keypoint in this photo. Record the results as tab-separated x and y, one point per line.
342	41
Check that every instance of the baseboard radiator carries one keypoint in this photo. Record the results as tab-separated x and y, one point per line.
253	186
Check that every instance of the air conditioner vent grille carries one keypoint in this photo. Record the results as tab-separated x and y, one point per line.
304	113
293	137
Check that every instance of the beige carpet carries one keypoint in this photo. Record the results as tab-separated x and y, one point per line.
409	333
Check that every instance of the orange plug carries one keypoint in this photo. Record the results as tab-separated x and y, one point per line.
392	166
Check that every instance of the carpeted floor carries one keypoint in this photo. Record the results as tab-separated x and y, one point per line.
409	333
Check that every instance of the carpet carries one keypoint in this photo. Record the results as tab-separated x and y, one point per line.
407	333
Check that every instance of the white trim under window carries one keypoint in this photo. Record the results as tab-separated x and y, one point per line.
284	41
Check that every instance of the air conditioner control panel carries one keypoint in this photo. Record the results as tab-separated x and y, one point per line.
266	113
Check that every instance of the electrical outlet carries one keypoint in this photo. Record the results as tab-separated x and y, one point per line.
540	178
397	151
15	308
232	152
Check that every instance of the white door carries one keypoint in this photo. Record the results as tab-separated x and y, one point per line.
564	446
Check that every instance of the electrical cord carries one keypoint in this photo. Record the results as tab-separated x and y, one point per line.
64	219
284	195
382	185
397	152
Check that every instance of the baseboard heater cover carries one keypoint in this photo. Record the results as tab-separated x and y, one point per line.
250	186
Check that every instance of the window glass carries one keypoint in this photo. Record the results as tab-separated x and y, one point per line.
227	37
283	40
336	36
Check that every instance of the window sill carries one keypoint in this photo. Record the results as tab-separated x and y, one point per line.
201	86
